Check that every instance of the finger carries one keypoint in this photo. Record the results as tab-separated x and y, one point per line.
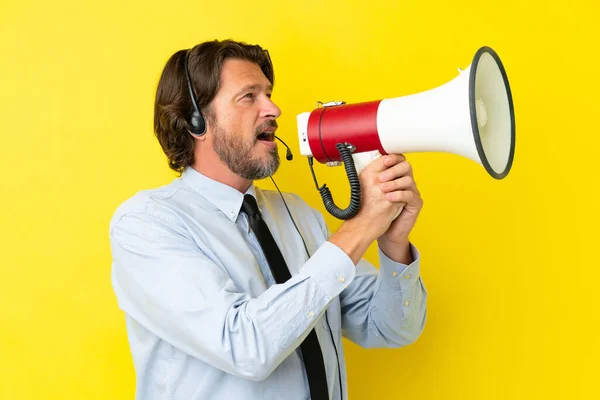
403	183
403	196
401	169
384	162
393	159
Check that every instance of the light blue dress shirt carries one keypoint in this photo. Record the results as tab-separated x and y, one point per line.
205	319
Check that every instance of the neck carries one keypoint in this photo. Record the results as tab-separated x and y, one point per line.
210	165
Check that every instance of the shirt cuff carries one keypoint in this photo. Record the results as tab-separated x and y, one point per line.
398	276
331	268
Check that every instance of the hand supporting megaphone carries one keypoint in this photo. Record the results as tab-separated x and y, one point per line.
361	160
386	183
387	187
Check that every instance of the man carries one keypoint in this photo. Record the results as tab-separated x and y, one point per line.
206	316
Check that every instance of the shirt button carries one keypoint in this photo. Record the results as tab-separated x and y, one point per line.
311	314
408	276
341	279
406	303
394	273
232	214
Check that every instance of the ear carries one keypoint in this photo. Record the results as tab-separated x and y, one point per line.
201	137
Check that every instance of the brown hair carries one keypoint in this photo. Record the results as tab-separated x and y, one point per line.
173	105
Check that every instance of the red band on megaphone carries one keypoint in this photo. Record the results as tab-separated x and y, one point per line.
355	124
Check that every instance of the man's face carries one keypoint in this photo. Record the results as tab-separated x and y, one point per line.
242	120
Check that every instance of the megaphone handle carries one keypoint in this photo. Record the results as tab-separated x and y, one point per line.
361	160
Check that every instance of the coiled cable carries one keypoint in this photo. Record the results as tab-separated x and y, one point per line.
330	206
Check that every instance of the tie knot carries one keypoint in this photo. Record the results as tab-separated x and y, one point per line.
250	207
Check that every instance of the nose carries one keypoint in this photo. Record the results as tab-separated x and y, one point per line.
270	109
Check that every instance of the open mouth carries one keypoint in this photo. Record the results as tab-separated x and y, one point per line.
266	136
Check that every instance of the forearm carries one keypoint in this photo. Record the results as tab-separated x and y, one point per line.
354	239
204	315
385	308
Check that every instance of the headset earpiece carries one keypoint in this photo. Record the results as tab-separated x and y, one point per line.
198	126
196	121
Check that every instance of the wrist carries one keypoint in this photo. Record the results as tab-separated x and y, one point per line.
398	250
353	239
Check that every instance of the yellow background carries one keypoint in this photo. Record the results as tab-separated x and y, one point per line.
511	266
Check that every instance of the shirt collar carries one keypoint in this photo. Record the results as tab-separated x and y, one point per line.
224	197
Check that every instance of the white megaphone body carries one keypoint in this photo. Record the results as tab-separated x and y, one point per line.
471	116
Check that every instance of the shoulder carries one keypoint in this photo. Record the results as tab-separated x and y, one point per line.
296	205
273	197
160	203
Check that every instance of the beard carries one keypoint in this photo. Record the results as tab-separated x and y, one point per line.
236	152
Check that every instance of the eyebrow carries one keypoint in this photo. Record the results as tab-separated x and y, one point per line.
253	87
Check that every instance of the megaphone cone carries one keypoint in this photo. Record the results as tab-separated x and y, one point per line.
471	116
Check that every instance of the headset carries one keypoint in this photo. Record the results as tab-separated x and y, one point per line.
196	121
198	128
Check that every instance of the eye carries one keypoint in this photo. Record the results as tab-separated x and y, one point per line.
249	96
269	95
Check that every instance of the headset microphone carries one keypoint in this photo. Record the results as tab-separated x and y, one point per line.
288	154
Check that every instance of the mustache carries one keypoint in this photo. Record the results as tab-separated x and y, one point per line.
268	124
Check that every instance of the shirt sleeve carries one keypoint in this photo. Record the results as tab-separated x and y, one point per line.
385	308
167	284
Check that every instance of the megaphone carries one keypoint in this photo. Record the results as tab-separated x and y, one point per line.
472	116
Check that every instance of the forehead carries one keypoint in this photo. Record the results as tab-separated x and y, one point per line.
237	74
